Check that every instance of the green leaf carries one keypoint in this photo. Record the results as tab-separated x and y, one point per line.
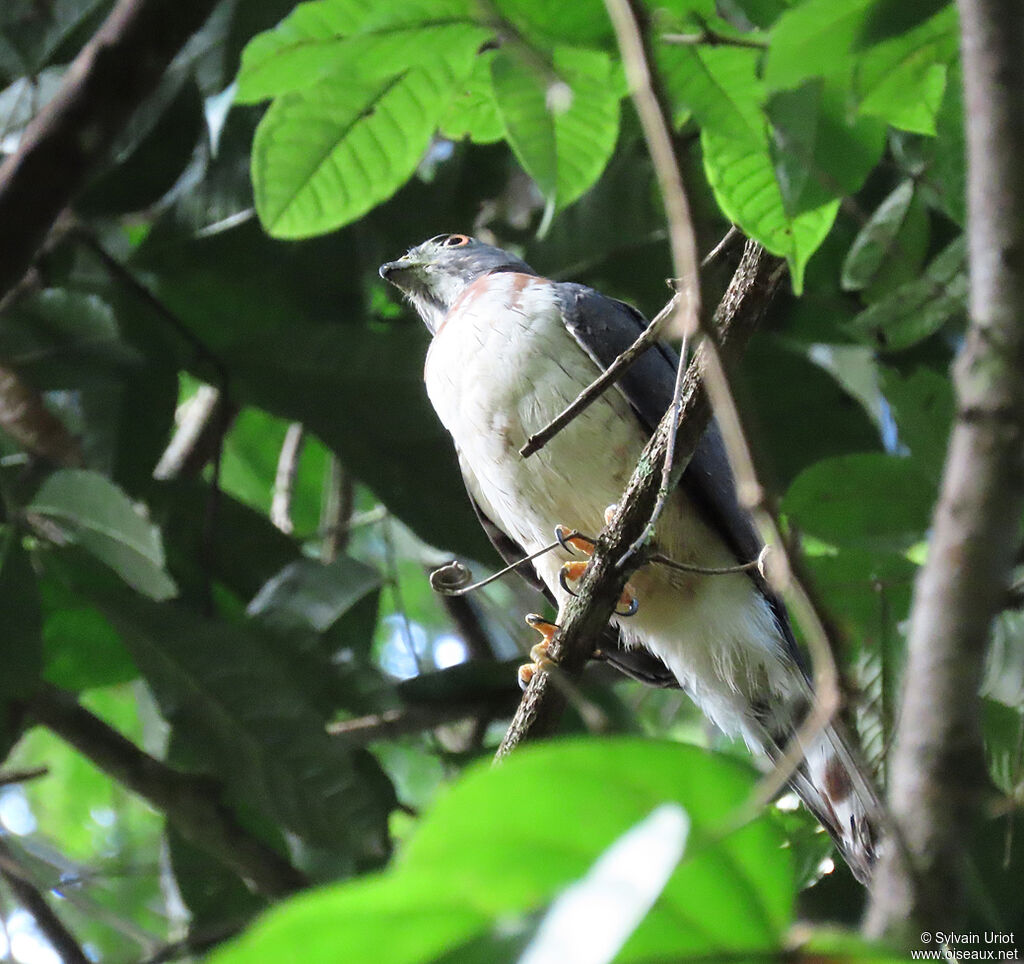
325	156
718	85
890	18
84	651
310	595
729	894
744	183
562	127
581	23
949	164
331	54
101	518
251	718
870	501
367	40
520	95
812	416
875	241
923	406
814	39
473	112
917	309
818	154
901	80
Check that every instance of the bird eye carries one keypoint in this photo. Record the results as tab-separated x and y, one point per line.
456	241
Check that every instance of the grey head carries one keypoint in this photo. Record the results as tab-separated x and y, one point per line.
433	274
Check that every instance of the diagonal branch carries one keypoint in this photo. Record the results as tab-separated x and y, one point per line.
69	139
190	802
30	897
587	615
937	769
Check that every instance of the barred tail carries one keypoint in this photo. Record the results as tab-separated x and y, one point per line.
836	789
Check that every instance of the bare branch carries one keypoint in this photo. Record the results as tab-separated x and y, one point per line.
11	777
29	896
284	478
65	144
190	802
586	616
937	769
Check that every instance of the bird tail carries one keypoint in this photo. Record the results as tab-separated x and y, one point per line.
835	787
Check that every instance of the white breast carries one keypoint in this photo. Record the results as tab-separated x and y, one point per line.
500	367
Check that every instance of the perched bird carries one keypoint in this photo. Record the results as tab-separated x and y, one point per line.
510	350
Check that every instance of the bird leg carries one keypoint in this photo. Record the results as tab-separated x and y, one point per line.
539	659
572	540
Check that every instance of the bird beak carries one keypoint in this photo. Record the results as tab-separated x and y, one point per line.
398	272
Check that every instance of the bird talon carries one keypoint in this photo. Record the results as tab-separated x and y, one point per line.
539	659
609	513
629	600
570	572
572	539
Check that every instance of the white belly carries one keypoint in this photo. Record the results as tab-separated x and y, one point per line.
497	375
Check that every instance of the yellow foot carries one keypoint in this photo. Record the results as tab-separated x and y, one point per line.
572	540
539	653
572	571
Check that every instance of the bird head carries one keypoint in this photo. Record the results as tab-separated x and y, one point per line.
433	274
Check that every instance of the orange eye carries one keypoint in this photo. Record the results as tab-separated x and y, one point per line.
456	241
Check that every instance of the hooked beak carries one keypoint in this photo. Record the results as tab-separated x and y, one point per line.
398	273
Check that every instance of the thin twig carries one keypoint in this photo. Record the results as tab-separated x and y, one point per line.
617	368
625	16
30	897
336	515
23	776
605	380
749	490
200	422
709	38
192	803
285	476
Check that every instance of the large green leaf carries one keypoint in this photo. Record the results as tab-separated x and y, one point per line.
306	50
901	80
101	518
473	112
562	126
743	179
248	715
922	404
728	895
919	308
814	39
310	595
324	156
876	240
949	164
718	85
869	501
818	153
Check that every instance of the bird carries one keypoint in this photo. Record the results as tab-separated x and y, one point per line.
510	349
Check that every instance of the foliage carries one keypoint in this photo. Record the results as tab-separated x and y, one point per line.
232	242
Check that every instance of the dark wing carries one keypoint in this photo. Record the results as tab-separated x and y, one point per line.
604	328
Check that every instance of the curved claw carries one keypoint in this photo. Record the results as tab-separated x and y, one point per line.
563	581
631	609
630	601
565	536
